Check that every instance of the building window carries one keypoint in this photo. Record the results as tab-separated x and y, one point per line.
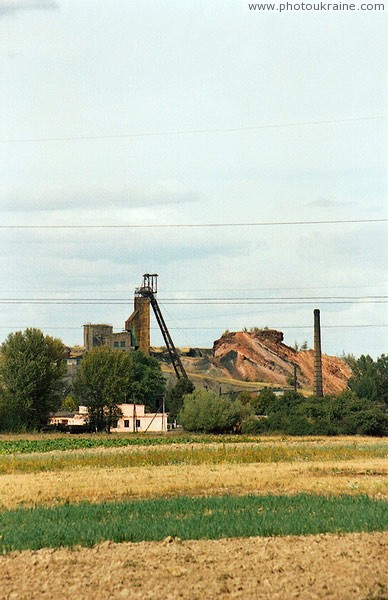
122	344
115	344
126	422
137	423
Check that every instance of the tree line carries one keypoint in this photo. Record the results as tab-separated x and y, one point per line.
33	386
362	409
33	383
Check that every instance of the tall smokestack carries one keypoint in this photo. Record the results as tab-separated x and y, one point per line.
318	386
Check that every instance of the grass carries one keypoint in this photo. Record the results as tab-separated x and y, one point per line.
49	444
189	454
369	477
189	518
40	443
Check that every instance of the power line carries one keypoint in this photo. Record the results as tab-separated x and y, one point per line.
192	302
198	299
209	291
274	303
278	327
197	225
180	132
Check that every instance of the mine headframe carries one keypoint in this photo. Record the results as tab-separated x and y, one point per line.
148	289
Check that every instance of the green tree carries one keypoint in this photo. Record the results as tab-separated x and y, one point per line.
147	384
175	394
101	384
382	378
208	413
352	415
70	403
364	379
32	369
108	378
264	401
370	378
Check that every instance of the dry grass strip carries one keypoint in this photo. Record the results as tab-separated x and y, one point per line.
188	454
336	567
99	484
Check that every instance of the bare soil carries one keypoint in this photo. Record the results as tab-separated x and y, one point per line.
262	356
351	566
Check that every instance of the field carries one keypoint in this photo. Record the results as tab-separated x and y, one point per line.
193	517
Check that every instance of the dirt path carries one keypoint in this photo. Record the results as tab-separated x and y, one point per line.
352	566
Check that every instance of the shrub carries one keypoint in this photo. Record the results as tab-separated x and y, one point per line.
254	425
208	413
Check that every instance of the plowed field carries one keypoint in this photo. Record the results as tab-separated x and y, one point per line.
352	566
346	566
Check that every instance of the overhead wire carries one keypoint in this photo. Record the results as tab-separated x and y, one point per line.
201	302
207	290
196	225
189	300
214	328
180	132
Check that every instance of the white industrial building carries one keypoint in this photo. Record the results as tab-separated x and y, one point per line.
134	419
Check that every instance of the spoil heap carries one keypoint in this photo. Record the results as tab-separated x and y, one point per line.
262	356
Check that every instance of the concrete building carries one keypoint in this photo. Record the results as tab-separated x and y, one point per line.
67	418
134	420
100	334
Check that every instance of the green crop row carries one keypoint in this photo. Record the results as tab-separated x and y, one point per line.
65	442
48	444
187	455
189	518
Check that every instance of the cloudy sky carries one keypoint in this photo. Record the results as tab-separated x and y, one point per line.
154	113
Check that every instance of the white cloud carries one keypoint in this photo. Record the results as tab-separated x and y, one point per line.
12	6
46	199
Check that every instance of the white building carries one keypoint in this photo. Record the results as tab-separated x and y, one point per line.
134	419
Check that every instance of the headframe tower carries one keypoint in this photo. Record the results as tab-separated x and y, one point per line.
139	322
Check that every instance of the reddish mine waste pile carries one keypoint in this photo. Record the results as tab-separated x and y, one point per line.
262	356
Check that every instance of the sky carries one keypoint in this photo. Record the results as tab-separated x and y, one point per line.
243	153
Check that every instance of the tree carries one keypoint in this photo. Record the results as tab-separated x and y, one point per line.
175	394
370	378
263	402
147	384
208	413
364	378
382	378
108	378
70	403
31	379
101	384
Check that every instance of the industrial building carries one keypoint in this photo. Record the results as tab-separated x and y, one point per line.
134	419
135	336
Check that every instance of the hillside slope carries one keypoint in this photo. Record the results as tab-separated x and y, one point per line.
262	356
249	360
